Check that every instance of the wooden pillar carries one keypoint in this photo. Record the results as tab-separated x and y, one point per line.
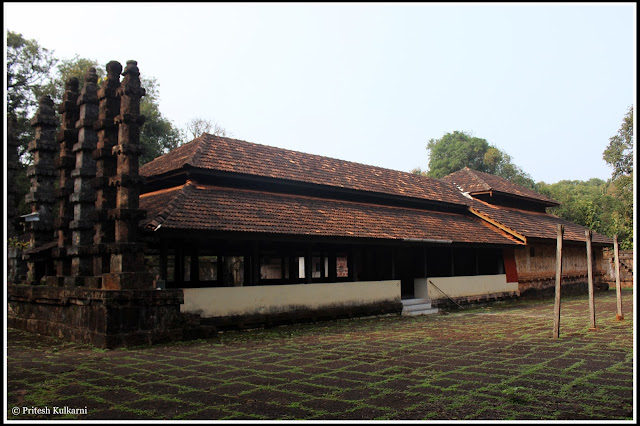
308	265
477	266
163	262
592	306
394	255
351	266
453	262
616	252
333	266
178	268
255	265
293	267
425	270
556	310
247	270
194	265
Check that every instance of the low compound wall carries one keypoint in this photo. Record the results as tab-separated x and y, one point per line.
464	289
241	306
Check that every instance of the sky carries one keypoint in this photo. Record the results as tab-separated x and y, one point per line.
547	83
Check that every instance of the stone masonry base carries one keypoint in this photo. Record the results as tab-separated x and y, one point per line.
103	318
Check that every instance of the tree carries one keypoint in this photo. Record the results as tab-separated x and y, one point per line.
586	203
28	71
158	135
619	152
457	150
619	155
198	126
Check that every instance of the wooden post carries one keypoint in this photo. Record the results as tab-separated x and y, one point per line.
619	315
592	306
556	310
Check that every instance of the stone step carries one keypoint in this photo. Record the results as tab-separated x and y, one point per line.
417	307
408	302
422	312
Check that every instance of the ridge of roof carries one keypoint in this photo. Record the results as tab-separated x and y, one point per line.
209	152
180	192
474	181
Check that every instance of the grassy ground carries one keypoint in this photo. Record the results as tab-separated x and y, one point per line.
493	362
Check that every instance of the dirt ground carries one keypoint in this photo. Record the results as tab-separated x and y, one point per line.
494	362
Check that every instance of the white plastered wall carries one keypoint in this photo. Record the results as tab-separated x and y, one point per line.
270	299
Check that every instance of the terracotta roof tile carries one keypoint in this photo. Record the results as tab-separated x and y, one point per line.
534	224
230	155
212	208
473	181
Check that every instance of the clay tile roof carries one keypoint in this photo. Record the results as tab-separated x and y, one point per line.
205	207
533	224
473	181
221	154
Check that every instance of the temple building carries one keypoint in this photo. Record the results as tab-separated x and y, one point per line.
223	233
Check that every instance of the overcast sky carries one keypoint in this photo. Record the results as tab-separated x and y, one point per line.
549	84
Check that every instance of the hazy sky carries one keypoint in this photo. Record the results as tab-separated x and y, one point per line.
549	84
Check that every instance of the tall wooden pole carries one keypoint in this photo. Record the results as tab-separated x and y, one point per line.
592	305
556	311
619	315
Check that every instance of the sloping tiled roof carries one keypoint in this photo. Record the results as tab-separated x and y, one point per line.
203	207
473	181
230	155
530	224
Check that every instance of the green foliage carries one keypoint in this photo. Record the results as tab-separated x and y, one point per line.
67	68
619	152
457	150
28	69
158	135
586	203
619	155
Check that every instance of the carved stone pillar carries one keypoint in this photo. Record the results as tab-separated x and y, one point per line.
84	197
12	168
127	260
106	167
67	138
42	173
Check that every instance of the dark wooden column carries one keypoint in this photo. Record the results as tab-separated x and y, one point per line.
194	265
333	266
255	265
351	265
293	267
453	262
247	270
394	261
163	262
308	265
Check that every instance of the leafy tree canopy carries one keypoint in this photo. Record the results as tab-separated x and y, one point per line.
457	150
619	155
